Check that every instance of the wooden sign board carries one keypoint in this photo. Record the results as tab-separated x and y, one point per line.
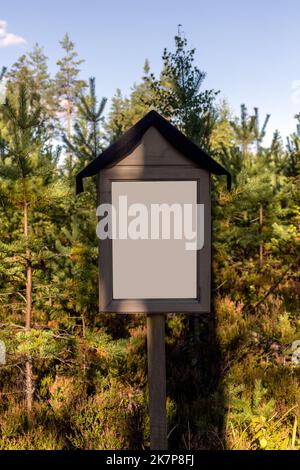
152	164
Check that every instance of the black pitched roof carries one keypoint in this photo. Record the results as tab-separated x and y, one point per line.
127	143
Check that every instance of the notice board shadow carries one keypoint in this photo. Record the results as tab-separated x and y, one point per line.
196	399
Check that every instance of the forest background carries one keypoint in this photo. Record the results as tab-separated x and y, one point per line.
77	379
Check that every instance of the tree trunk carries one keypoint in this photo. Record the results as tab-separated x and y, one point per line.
28	270
29	384
28	313
69	134
261	246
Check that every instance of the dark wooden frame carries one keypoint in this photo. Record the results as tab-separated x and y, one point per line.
148	173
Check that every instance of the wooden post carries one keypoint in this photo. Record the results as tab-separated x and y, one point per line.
157	381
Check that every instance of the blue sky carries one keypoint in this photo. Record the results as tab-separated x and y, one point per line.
249	49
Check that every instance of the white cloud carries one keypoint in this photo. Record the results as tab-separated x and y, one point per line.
9	39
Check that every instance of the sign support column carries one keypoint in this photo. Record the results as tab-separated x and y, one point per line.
157	381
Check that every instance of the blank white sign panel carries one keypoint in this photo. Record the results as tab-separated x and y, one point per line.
147	268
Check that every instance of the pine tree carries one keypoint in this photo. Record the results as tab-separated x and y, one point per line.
86	144
25	128
244	129
178	95
37	62
87	140
222	135
117	122
32	68
292	161
20	73
43	84
275	158
68	85
126	111
276	147
260	133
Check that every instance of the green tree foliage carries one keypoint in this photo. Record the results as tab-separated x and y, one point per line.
125	112
32	69
20	162
43	84
67	79
87	139
68	85
260	133
291	167
178	95
222	136
245	130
